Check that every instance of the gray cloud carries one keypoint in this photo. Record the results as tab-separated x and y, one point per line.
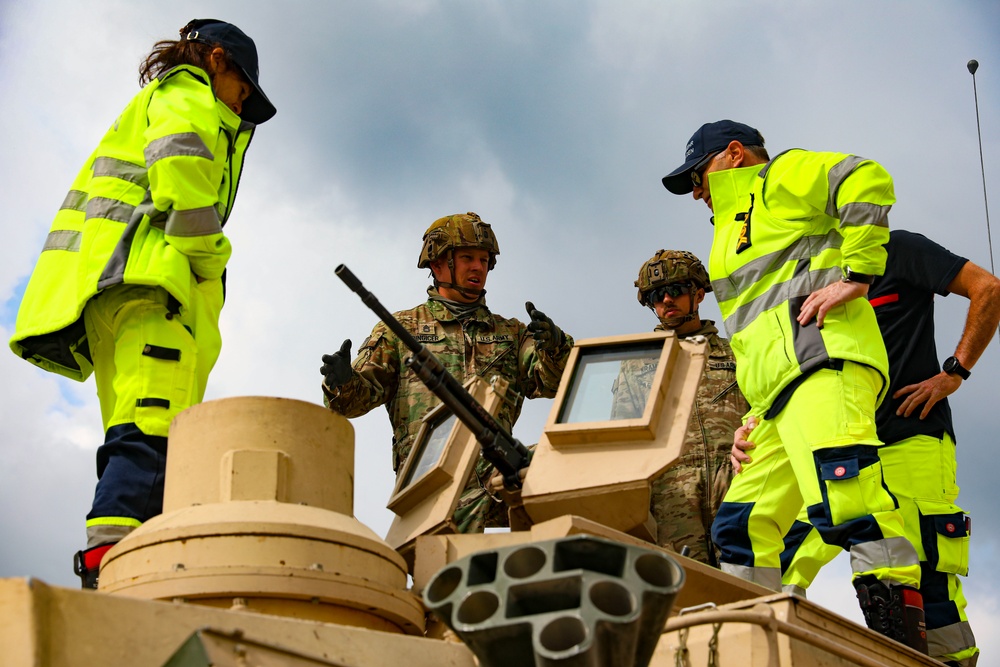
554	121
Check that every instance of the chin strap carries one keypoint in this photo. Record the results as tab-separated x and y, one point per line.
464	291
674	322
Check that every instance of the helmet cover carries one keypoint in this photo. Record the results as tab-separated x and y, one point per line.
671	266
457	231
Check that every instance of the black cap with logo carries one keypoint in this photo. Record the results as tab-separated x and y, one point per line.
243	52
710	138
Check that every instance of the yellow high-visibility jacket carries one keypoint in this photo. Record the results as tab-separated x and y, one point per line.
147	208
782	231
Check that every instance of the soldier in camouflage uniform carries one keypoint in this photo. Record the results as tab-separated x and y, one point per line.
685	498
460	330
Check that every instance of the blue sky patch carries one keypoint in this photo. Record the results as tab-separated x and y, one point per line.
8	310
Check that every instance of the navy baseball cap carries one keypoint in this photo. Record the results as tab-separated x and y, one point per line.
710	138
243	52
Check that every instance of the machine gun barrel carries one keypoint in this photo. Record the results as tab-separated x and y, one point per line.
498	446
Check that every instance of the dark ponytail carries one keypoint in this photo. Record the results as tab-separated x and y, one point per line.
169	53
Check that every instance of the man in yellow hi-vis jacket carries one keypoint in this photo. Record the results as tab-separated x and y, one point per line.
128	285
797	241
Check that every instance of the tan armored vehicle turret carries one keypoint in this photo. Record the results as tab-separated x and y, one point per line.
257	558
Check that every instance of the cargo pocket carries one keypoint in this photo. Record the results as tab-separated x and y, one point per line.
944	533
167	370
853	492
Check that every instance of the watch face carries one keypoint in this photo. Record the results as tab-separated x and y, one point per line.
951	365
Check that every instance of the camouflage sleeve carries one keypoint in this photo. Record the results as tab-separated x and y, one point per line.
375	378
542	370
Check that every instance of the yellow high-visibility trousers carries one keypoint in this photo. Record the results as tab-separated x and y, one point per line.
921	473
151	361
821	452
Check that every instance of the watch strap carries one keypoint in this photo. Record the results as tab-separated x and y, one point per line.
851	276
953	365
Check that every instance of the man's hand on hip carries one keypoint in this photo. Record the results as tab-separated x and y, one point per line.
820	302
738	455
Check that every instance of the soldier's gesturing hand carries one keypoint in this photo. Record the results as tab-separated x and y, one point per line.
336	368
547	335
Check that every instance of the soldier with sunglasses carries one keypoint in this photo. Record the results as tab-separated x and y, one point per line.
685	498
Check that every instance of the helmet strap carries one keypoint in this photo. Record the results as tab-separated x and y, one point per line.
464	291
676	322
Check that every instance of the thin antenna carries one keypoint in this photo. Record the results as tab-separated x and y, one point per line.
973	66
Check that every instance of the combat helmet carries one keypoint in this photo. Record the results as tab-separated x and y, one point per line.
671	266
457	231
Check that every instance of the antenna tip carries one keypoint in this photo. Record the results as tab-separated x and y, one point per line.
973	66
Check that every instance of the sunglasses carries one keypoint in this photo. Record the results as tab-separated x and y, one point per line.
696	178
674	290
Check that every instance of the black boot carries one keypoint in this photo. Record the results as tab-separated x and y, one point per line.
894	611
87	564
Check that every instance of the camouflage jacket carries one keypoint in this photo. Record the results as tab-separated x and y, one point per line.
483	344
720	406
686	497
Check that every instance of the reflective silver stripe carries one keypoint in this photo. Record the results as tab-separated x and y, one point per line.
126	171
76	200
100	533
768	577
860	214
799	285
194	222
792	589
888	553
63	239
173	145
157	218
114	270
852	214
748	275
950	640
110	209
835	178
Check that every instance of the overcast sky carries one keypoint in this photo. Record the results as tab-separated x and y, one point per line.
553	120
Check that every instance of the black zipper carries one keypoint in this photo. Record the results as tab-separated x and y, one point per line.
234	184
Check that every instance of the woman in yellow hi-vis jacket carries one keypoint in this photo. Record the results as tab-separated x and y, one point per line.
128	285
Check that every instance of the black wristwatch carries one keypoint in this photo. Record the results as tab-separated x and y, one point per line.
851	276
953	365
